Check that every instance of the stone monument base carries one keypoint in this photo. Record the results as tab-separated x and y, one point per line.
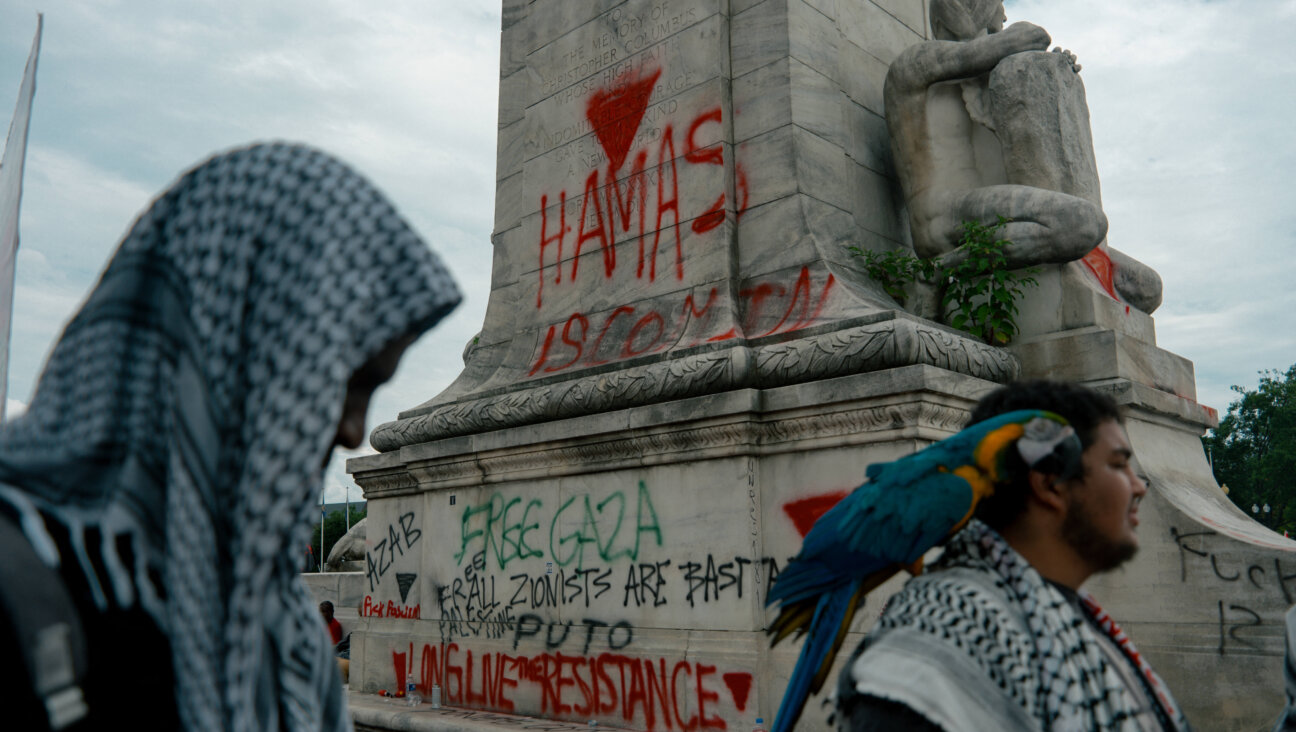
615	567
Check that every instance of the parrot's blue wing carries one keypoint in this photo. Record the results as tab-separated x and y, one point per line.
907	507
858	544
904	522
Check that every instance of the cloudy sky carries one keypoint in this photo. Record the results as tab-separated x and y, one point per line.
1192	102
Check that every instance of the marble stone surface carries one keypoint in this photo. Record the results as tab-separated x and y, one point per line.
674	178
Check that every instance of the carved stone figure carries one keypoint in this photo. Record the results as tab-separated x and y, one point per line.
349	551
984	123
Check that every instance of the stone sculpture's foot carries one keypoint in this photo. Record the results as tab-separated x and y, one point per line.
1136	282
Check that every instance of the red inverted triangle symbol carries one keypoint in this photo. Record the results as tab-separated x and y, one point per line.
805	512
616	113
739	686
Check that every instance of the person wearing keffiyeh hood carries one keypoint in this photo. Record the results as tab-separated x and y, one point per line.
996	634
168	465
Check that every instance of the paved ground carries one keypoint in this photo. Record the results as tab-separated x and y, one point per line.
372	712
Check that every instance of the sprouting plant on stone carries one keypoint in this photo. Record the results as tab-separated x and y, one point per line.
981	293
894	270
978	292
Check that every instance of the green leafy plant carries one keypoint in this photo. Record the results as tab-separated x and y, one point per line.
979	293
894	270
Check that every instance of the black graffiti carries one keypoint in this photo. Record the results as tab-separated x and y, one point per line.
1255	573
567	587
1283	579
1179	542
1221	575
1251	573
469	606
1233	617
456	623
1229	627
387	549
771	569
713	578
643	579
557	634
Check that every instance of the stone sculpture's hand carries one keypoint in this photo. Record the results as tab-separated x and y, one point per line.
1029	36
1070	57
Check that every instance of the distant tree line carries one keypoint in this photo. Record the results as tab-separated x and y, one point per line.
1253	451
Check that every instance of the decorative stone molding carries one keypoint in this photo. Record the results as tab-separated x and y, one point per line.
388	481
869	420
873	347
741	433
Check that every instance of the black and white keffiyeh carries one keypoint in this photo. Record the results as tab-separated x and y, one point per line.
178	430
982	641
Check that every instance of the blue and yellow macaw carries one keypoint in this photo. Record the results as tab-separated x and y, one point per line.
905	508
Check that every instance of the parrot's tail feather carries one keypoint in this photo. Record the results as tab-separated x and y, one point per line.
792	618
821	674
870	583
832	614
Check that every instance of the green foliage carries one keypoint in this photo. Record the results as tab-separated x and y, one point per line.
979	293
894	270
335	527
1253	451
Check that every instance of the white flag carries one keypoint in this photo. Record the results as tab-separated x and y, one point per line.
11	174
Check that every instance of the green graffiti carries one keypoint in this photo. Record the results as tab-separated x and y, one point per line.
588	531
504	540
645	501
489	528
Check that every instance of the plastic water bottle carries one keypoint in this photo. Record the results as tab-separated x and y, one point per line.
412	696
760	725
593	724
436	696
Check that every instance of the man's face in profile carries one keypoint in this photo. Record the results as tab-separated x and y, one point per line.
1102	504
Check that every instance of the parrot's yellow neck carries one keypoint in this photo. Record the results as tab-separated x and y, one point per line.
987	454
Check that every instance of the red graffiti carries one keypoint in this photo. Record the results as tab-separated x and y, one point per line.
556	239
371	608
799	303
616	113
713	216
398	661
653	326
1100	263
739	688
805	512
608	210
654	692
646	333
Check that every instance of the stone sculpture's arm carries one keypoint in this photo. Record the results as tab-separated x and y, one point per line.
924	64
